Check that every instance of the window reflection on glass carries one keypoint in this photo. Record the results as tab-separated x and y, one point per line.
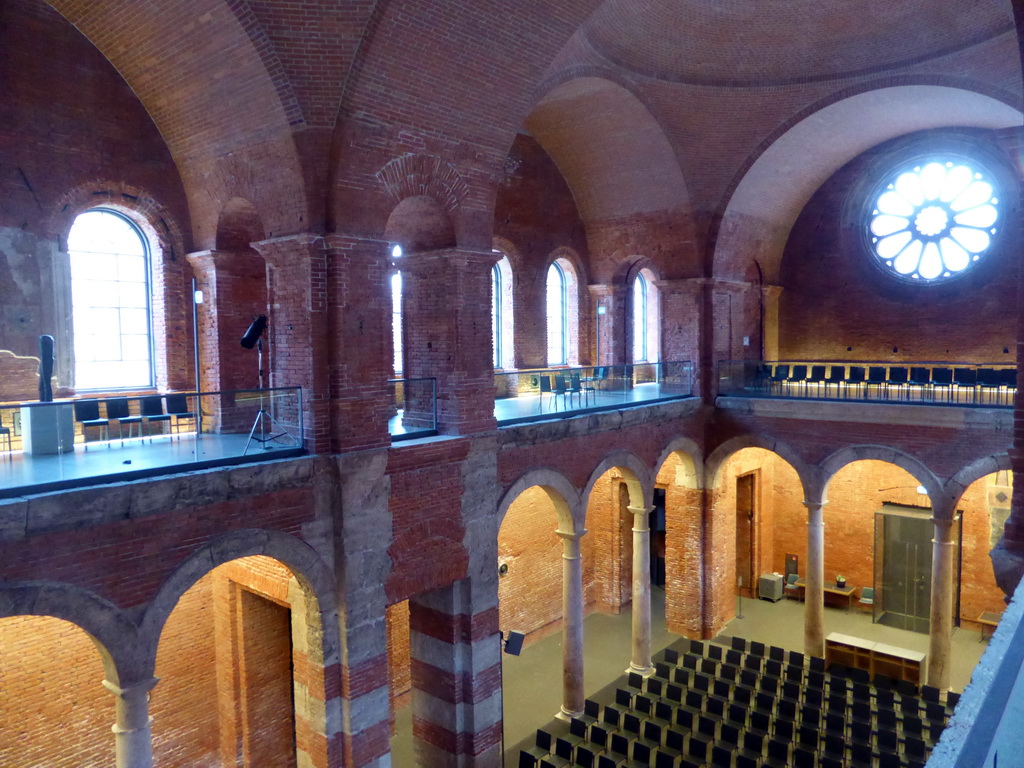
557	316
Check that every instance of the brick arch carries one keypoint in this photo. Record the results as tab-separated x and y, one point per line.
511	251
238	225
955	486
113	633
201	75
636	476
841	458
776	181
304	563
720	455
688	448
143	208
563	494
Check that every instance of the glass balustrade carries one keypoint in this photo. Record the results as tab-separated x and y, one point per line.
944	383
529	395
88	440
413	408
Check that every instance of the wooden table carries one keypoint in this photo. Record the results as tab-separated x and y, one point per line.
989	619
832	589
876	658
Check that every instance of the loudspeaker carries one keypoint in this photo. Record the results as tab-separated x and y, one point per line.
514	643
254	332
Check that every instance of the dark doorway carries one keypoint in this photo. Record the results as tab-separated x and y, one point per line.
657	525
746	509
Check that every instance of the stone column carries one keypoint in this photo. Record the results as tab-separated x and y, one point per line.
132	723
572	625
814	578
940	635
641	657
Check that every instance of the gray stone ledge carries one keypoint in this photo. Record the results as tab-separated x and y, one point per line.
911	414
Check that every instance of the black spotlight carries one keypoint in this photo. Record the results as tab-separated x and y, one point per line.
259	325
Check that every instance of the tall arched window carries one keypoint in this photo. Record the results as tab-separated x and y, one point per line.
496	313
645	318
396	315
110	302
501	313
557	316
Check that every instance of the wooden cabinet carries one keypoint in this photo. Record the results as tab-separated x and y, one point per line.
876	658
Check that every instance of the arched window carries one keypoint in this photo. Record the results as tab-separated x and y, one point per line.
557	315
645	318
110	302
396	314
501	314
496	315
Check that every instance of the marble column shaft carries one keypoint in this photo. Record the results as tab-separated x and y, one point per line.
814	592
132	724
572	625
640	660
940	634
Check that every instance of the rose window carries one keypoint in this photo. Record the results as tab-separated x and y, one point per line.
933	221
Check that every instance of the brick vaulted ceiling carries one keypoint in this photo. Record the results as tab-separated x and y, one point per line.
674	100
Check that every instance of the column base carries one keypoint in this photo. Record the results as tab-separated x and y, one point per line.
645	671
566	715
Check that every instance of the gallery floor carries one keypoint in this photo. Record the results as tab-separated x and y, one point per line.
532	695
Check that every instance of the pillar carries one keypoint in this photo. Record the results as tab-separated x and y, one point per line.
295	347
608	302
814	578
447	325
455	650
940	633
132	723
572	625
641	650
680	302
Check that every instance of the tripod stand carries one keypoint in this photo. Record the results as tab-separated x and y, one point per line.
265	423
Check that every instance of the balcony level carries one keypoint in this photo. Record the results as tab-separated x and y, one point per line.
965	385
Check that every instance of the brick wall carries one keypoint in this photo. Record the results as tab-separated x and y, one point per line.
54	710
398	657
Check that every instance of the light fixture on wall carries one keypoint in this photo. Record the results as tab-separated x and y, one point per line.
502	569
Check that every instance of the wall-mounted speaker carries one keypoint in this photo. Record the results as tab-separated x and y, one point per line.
514	643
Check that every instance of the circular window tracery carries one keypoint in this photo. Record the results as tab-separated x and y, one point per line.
932	221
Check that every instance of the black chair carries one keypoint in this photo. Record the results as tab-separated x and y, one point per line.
715	651
989	382
817	377
899	378
117	410
836	376
739	644
671	656
87	413
942	378
541	748
757	648
697	647
856	378
6	433
177	407
798	376
544	388
734	657
876	378
1008	376
965	379
152	410
952	699
921	377
775	382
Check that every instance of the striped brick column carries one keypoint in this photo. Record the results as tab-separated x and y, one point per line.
456	677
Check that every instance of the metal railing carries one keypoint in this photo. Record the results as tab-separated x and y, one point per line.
944	383
413	408
86	440
527	395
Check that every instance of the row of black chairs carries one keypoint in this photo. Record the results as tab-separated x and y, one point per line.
748	705
118	411
969	385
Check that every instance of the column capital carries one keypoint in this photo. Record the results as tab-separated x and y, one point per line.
132	689
570	535
640	510
813	504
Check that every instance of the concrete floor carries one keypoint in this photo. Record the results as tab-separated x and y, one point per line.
532	681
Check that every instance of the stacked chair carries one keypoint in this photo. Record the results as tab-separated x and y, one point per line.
747	705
